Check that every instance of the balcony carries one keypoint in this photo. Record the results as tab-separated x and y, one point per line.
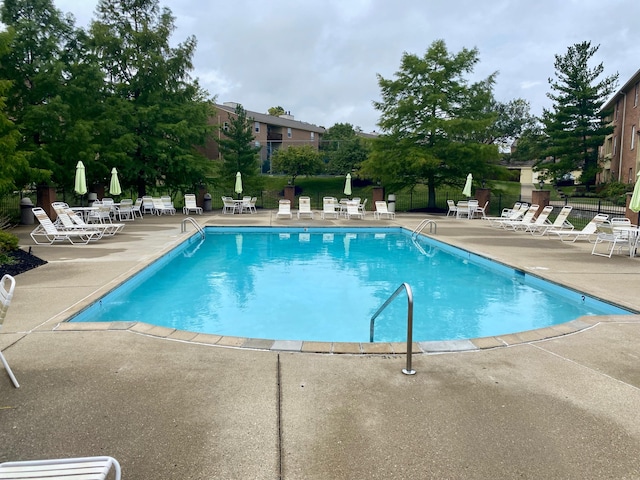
274	137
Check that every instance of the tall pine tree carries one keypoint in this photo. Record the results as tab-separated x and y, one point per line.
575	127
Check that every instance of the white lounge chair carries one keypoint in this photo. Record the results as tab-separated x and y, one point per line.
106	228
245	206
586	233
353	210
87	468
190	205
7	286
382	209
526	219
304	207
64	222
541	220
48	233
329	207
508	215
560	223
284	209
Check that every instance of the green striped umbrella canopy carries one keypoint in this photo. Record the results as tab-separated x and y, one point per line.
80	186
634	204
114	186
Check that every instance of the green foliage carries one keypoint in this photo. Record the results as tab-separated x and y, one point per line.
434	121
615	190
8	241
157	115
576	127
238	151
343	149
294	161
276	111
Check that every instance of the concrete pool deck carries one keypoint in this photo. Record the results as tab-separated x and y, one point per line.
562	404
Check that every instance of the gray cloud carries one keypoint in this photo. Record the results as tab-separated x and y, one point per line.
319	60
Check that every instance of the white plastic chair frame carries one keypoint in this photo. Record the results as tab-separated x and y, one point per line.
88	468
7	286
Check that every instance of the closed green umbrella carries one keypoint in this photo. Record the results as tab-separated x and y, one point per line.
238	187
466	191
114	186
634	204
81	179
347	185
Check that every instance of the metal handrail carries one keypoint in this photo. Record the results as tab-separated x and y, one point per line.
183	227
408	370
433	227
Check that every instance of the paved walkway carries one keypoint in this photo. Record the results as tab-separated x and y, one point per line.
170	408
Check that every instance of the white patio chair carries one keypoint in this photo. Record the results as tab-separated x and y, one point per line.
452	208
190	205
354	211
168	204
147	205
616	239
88	468
228	205
125	210
137	208
7	286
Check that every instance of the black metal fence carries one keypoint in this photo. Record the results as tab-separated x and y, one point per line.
583	208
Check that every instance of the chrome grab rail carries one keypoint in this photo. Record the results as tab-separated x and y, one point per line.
433	227
183	227
408	370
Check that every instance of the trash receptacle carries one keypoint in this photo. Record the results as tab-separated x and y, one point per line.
391	203
26	212
206	206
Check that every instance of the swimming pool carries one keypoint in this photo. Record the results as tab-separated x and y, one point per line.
324	284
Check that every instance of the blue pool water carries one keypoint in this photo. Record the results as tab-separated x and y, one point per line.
325	284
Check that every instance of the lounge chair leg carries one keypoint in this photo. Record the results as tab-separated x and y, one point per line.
8	369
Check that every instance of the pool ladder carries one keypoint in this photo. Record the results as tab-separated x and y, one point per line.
183	227
433	227
405	286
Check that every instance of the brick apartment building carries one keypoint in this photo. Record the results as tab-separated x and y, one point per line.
270	133
620	155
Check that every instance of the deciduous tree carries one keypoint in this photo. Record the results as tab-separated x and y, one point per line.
297	160
433	120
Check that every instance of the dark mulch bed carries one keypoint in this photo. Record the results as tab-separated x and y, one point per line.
21	261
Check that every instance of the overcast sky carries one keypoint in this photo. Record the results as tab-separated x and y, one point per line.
319	59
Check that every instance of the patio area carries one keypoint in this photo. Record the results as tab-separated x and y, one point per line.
173	405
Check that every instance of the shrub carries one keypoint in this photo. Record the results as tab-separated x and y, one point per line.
8	242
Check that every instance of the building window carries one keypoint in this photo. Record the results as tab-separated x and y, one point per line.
630	175
633	137
615	115
288	132
257	127
615	145
637	92
225	126
313	135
